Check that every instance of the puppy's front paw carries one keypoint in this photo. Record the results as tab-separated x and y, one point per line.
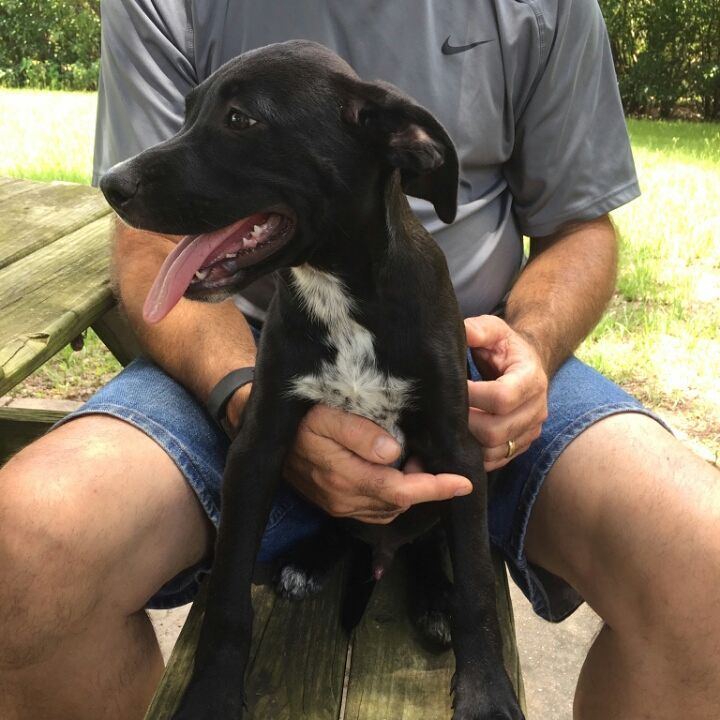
484	709
491	699
297	583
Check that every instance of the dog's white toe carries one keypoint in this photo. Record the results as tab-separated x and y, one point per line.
295	583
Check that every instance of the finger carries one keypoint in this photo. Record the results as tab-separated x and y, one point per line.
504	395
358	434
399	489
485	331
495	430
496	457
376	518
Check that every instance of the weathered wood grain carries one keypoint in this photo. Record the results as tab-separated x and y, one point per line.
9	187
180	664
300	651
297	659
392	675
50	296
37	214
20	426
298	664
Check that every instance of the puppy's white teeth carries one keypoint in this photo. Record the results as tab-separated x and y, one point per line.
201	274
256	229
230	256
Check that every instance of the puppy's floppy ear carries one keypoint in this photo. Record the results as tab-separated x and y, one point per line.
410	139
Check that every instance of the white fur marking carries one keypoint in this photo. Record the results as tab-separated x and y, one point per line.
352	381
296	583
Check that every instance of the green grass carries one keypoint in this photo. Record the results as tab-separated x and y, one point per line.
47	135
660	337
694	142
72	374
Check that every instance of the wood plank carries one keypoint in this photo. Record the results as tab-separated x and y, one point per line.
179	667
297	660
393	676
10	187
117	335
20	426
63	289
298	664
299	652
42	214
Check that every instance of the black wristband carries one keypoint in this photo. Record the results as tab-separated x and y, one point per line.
219	398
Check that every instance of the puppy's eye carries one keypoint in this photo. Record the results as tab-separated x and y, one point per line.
238	120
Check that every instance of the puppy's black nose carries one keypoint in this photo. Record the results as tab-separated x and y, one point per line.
119	187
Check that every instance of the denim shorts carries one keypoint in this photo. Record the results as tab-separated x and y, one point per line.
144	396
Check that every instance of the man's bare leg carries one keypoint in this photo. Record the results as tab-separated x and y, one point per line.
631	518
94	519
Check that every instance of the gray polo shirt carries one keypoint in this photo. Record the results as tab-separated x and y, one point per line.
526	89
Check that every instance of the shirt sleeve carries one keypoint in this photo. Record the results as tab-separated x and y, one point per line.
146	69
571	158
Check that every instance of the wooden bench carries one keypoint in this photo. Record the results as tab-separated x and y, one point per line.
304	667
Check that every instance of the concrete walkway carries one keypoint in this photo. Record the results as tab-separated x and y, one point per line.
551	655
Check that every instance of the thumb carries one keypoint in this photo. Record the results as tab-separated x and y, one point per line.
353	432
485	331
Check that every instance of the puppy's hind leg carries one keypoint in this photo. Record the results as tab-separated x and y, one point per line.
304	571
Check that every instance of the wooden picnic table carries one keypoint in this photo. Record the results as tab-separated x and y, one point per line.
54	284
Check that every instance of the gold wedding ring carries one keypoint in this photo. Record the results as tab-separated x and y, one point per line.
510	450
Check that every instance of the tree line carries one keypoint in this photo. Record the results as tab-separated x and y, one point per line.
52	44
667	52
667	55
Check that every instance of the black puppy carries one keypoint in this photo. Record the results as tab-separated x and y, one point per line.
287	161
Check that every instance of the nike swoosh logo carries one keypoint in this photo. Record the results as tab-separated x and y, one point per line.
448	49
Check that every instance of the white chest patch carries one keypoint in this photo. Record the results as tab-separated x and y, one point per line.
352	381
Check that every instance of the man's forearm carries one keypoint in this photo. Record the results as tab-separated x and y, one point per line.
197	343
564	289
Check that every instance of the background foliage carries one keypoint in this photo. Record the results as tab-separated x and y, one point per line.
52	44
667	55
667	52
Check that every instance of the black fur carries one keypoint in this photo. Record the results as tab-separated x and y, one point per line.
332	153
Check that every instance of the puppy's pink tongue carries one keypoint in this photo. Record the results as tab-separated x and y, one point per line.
177	272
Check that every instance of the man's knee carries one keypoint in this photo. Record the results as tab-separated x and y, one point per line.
629	517
51	578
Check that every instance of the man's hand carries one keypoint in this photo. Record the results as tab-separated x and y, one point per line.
339	462
512	403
